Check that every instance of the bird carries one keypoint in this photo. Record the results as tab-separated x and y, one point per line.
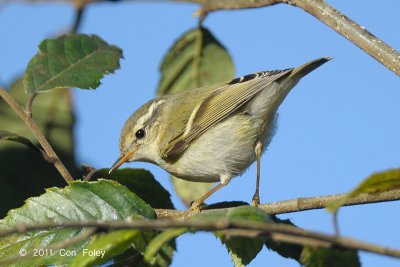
212	133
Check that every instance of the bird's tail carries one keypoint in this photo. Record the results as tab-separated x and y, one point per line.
303	70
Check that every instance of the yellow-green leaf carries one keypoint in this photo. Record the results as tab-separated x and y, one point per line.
196	59
375	183
161	241
104	246
189	191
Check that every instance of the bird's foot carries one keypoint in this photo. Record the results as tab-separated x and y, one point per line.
195	207
256	200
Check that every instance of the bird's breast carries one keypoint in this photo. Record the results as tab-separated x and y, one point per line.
225	150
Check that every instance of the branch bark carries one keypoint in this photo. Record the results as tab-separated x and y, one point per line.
300	204
352	31
38	134
311	203
330	16
278	232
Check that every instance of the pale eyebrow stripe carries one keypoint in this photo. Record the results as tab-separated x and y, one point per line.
150	112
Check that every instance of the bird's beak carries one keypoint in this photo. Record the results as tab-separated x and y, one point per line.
122	159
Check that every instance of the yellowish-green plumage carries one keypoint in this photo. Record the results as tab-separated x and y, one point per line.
210	134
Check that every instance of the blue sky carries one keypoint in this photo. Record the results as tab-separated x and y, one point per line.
336	127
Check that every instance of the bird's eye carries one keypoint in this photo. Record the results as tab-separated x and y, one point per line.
140	134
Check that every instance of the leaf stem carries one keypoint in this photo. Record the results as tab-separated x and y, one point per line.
336	223
29	103
80	11
202	16
38	134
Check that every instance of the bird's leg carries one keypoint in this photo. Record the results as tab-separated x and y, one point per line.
256	198
195	207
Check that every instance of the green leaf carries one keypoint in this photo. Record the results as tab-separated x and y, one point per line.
189	191
286	250
9	136
242	249
196	59
375	183
105	246
329	258
130	257
163	258
73	60
80	201
313	257
133	255
142	183
53	113
160	241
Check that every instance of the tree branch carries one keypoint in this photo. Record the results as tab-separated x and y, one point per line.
311	203
340	23
352	31
300	204
337	21
277	232
38	134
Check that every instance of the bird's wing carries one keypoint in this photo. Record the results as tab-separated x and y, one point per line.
222	102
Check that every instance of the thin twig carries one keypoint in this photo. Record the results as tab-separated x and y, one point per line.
352	31
38	134
217	225
311	203
336	20
80	11
202	16
89	176
349	29
300	204
336	223
215	5
88	171
304	241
